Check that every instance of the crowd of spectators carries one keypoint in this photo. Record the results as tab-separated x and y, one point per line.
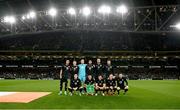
130	73
137	68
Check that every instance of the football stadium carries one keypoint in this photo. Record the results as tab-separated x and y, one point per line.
90	54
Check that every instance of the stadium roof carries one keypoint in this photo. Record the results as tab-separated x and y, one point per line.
21	6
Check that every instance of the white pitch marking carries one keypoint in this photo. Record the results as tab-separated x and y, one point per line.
6	93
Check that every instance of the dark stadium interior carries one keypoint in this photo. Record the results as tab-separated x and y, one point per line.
91	41
141	46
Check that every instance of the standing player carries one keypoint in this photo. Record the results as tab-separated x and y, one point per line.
90	68
111	84
122	84
64	75
75	85
98	69
109	69
74	69
82	71
89	85
100	85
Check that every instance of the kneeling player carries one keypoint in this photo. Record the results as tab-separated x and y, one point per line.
111	85
122	84
89	85
100	85
75	85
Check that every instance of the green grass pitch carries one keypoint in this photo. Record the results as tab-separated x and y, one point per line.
142	94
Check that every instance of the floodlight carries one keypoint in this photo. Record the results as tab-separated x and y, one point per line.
104	9
71	11
23	17
28	16
6	19
52	12
177	26
122	9
32	14
86	11
10	19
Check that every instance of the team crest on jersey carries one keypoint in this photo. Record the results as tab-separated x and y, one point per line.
75	68
67	68
99	66
109	68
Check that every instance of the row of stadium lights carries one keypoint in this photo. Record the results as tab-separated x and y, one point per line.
86	11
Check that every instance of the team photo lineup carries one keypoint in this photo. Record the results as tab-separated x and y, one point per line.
90	54
91	79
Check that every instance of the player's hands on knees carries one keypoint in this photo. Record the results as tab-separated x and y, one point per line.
127	87
75	88
118	88
85	85
111	87
97	87
101	88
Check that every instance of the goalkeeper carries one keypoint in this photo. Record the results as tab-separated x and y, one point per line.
89	85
